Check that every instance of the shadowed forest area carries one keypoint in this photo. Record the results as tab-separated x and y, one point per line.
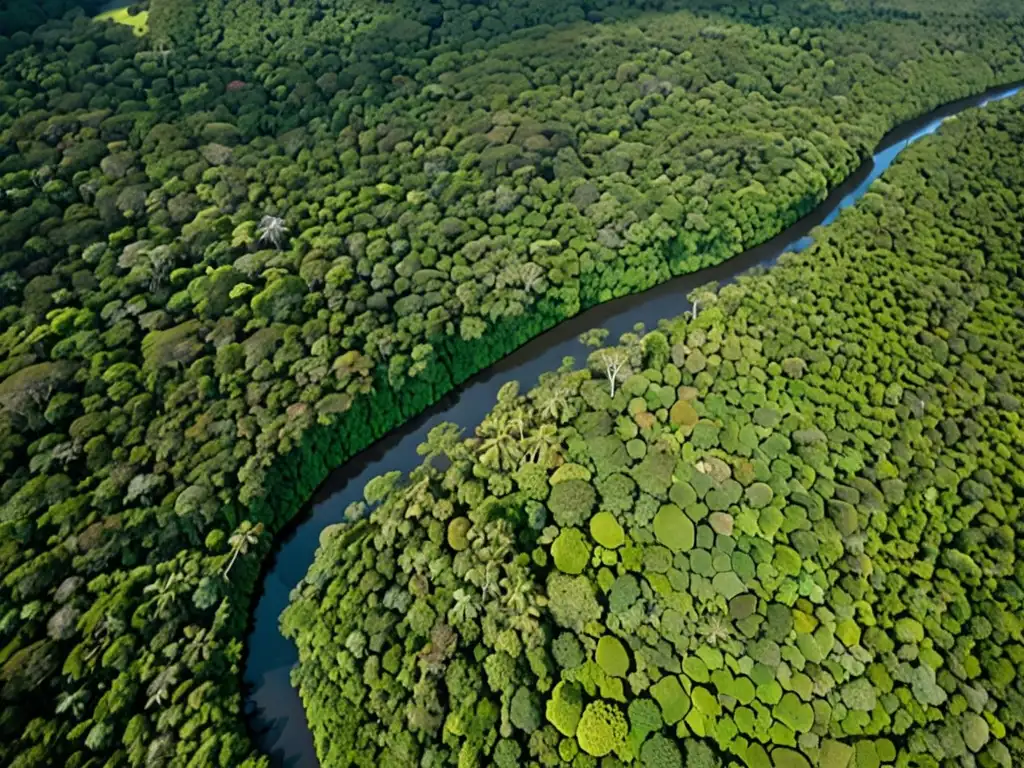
238	248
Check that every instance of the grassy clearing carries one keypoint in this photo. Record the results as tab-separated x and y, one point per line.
139	23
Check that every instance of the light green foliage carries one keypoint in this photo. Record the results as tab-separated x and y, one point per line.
457	530
137	22
612	656
909	630
728	584
683	414
859	695
568	472
696	669
704	701
571	601
623	594
570	551
606	531
759	495
601	729
671	698
789	758
787	561
835	754
644	718
567	650
700	755
674	529
976	732
797	715
848	632
654	474
564	708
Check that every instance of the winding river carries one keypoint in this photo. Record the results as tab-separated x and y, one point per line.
273	708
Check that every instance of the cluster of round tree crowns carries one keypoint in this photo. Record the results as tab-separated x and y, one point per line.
237	249
782	534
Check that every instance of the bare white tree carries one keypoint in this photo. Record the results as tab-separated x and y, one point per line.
615	362
272	229
242	540
41	175
161	259
531	275
703	295
164	51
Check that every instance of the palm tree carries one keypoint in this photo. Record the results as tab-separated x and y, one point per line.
417	494
486	576
465	608
518	591
499	448
242	540
166	679
716	629
443	440
539	442
73	702
166	591
517	421
553	401
531	276
200	647
526	623
272	229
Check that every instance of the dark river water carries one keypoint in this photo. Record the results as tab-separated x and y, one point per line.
273	708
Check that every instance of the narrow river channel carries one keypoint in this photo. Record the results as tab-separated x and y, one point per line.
273	708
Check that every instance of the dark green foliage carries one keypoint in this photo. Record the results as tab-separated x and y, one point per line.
660	752
571	502
235	252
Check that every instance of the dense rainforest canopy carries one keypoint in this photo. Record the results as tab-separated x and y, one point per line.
26	15
781	534
235	250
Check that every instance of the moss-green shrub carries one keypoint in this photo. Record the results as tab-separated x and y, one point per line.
570	551
674	529
571	502
612	656
565	707
672	699
606	531
602	729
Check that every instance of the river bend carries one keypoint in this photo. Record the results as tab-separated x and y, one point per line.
274	710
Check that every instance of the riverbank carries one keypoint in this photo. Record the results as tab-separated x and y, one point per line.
276	714
786	536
